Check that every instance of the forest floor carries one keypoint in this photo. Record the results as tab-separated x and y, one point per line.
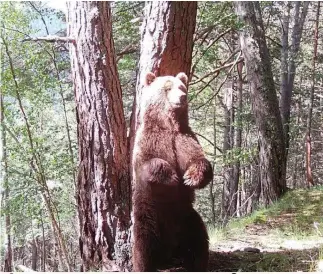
285	237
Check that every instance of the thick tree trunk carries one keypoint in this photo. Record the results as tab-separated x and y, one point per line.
309	175
264	102
167	38
103	172
166	45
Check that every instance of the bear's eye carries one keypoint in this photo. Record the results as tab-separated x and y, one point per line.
168	86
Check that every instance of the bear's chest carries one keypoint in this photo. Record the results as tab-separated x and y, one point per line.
161	144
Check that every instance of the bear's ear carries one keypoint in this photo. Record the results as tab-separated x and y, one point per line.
150	77
182	76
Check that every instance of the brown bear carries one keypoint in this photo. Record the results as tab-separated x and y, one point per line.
169	165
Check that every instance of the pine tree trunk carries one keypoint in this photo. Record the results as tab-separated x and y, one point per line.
264	102
103	172
287	89
238	133
284	61
309	175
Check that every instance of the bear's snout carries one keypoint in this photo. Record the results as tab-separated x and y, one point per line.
177	98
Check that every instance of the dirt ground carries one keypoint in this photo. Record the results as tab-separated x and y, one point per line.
258	249
287	261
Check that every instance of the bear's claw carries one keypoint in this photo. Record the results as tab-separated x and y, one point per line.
198	175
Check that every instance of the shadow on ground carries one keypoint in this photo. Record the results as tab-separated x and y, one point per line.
285	260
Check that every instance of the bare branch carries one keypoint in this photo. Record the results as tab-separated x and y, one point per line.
127	50
217	70
208	47
210	142
225	79
275	42
51	38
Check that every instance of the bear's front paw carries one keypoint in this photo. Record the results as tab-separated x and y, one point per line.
159	171
198	174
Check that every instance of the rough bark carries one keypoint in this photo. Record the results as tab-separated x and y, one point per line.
103	173
309	175
166	45
264	102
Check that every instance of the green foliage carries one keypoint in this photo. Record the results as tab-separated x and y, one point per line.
30	88
126	24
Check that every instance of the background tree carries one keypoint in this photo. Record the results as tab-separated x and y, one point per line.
308	149
264	102
288	62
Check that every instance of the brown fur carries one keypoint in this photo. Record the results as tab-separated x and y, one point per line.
168	232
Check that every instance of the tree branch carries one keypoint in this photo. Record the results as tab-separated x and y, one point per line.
51	38
238	60
127	50
219	69
209	141
208	47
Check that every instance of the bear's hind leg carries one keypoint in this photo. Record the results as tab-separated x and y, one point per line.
154	177
144	254
194	244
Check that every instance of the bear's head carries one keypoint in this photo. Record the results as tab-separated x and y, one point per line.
164	96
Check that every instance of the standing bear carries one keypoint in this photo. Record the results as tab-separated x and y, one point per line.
169	165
